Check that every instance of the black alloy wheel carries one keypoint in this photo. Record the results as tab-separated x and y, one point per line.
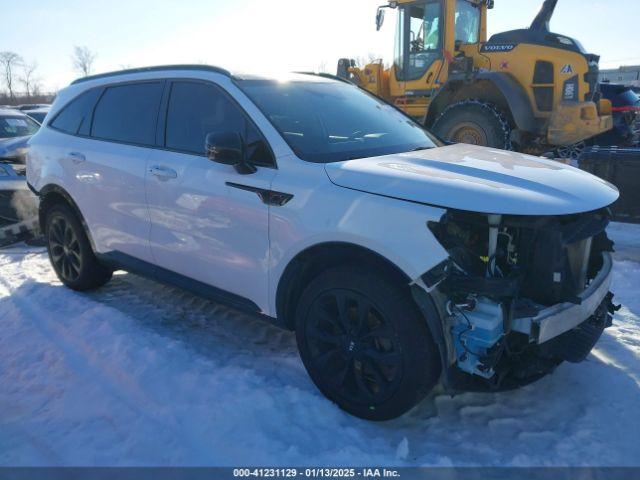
353	347
65	249
70	251
365	343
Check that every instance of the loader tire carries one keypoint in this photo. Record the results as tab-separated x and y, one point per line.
474	122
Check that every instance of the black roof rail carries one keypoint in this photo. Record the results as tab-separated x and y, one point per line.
158	68
326	75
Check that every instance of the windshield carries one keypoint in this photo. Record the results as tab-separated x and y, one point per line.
37	115
17	126
332	121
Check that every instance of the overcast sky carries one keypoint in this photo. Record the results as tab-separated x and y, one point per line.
264	35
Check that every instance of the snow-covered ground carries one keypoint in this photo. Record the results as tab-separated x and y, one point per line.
143	374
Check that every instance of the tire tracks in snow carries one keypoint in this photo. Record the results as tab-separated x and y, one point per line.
85	362
571	417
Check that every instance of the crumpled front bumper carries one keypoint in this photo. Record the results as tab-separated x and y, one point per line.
18	208
558	319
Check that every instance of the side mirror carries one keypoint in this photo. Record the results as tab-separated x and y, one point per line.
224	147
379	18
227	148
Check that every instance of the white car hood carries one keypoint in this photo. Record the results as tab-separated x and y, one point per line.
477	179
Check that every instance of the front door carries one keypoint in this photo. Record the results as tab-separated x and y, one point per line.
419	42
208	222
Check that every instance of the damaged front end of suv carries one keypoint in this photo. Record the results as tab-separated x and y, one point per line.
18	205
518	294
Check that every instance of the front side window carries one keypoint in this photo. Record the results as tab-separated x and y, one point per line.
467	22
331	121
197	109
424	28
128	113
12	126
419	39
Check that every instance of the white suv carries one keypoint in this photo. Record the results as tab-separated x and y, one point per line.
398	262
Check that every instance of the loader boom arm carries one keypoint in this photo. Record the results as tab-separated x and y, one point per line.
541	22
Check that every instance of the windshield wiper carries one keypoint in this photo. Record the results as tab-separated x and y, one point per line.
421	148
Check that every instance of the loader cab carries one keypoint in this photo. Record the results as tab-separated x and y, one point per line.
528	89
428	33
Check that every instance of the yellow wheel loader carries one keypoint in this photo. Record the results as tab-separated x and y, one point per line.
529	90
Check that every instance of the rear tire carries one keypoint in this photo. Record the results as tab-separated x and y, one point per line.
475	123
364	343
70	252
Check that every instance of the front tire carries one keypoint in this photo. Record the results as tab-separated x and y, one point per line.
365	344
70	252
475	123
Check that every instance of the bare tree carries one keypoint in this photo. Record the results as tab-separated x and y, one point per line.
371	57
28	78
83	59
322	67
9	61
374	57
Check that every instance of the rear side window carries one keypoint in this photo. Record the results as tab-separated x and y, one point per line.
76	116
197	109
128	113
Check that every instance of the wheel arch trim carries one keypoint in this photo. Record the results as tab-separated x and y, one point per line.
55	189
337	250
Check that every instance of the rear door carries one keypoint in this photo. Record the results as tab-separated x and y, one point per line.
110	165
209	222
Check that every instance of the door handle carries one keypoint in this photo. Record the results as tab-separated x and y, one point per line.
163	173
76	157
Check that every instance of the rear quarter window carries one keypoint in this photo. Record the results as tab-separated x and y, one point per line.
128	113
75	117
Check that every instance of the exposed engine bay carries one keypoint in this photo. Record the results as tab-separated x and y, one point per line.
519	295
